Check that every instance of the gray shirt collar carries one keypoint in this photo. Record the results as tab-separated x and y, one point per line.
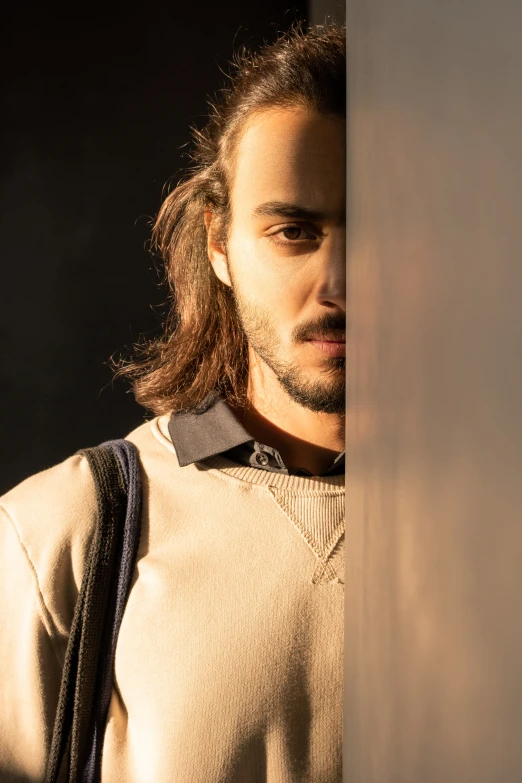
212	429
197	435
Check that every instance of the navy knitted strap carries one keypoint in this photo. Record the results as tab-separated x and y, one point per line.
128	459
86	685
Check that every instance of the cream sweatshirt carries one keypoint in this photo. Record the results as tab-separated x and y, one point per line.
229	663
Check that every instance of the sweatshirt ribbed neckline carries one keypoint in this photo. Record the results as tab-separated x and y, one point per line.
252	475
272	479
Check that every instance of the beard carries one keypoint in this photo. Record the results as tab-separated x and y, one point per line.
326	394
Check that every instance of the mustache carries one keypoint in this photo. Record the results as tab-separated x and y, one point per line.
323	326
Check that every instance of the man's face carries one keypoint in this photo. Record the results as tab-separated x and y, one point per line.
285	256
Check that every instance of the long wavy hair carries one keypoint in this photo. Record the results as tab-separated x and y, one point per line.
202	347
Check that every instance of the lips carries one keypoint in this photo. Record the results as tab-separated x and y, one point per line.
332	337
331	345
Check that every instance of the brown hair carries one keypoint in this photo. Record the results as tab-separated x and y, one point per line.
203	347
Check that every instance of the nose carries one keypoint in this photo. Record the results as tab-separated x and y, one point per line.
331	290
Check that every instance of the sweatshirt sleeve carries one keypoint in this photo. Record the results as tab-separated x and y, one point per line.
46	526
29	662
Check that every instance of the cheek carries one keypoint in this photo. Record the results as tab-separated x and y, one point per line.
281	284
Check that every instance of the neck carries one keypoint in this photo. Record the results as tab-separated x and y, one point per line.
304	438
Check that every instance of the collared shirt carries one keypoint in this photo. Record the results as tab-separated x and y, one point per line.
215	430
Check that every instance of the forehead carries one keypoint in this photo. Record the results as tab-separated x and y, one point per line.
291	155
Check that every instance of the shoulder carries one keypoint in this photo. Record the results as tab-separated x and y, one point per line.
56	508
153	442
48	521
51	515
46	524
57	503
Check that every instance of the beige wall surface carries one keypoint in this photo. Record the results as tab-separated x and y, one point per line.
433	593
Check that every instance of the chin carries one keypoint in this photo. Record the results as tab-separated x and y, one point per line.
316	396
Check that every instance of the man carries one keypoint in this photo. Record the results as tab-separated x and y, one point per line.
229	664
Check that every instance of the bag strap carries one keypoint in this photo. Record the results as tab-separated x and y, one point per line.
86	684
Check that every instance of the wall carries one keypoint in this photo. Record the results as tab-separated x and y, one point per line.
433	679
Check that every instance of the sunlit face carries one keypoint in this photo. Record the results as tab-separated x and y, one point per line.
285	257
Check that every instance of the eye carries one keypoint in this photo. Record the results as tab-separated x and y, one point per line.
293	234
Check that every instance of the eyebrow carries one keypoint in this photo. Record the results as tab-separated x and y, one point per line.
285	209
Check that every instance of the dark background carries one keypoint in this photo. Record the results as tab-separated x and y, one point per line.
97	103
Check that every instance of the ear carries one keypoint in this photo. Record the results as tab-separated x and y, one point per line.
216	252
